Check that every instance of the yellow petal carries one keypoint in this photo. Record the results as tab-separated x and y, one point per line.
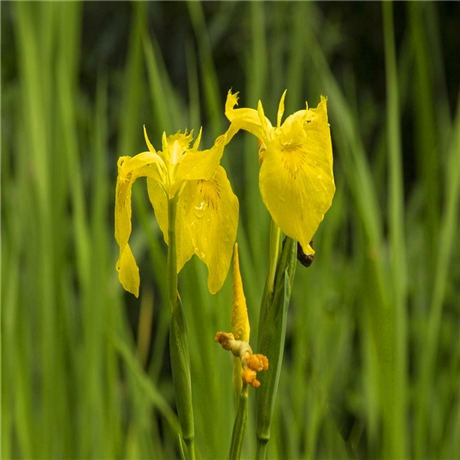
196	144
196	165
152	149
147	141
281	109
144	164
240	321
129	169
213	220
184	244
128	271
123	209
319	122
247	119
264	122
296	178
159	201
170	147
232	100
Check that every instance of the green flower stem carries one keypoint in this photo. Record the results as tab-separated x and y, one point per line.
180	360
272	332
172	256
275	245
239	427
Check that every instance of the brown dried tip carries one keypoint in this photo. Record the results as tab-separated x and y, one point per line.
257	362
225	339
249	376
305	259
251	363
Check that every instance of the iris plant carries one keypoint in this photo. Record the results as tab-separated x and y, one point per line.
197	212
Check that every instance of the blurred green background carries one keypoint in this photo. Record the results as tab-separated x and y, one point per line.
372	363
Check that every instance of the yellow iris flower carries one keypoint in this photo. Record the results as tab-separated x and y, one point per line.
207	208
296	178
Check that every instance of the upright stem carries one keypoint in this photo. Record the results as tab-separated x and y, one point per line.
272	331
261	451
172	257
180	360
275	245
239	426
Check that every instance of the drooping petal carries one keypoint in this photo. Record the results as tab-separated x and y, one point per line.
213	220
128	271
240	320
247	119
296	179
129	169
122	207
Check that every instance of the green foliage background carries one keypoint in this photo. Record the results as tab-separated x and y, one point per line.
372	362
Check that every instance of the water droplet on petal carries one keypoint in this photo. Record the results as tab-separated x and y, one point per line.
199	210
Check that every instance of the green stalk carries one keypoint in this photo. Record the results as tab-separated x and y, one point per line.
172	256
180	359
395	387
275	244
272	332
239	427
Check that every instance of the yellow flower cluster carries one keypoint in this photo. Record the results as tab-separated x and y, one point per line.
296	182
